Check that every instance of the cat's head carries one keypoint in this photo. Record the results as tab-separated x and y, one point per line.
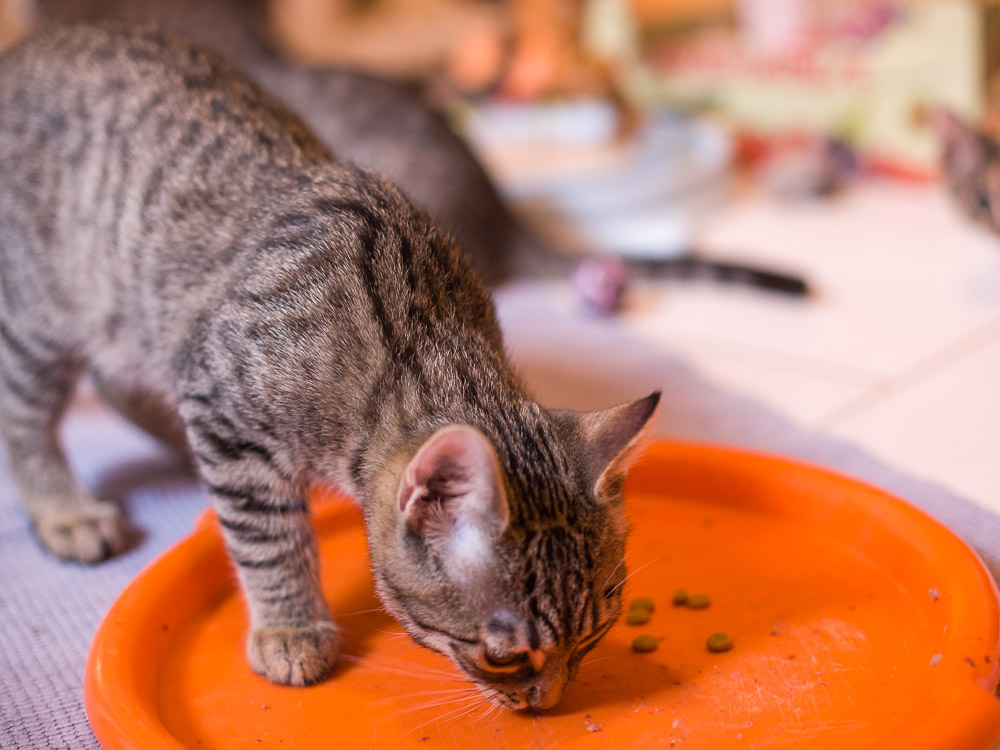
970	159
508	558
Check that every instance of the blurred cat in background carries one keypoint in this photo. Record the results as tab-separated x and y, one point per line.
363	119
970	162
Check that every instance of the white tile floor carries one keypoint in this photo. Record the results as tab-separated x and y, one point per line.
899	351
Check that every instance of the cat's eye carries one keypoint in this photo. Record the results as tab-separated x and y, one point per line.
501	659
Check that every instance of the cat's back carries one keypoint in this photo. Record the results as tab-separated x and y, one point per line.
143	84
156	181
132	163
119	141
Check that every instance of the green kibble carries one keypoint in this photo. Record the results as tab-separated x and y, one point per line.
643	602
644	644
719	642
638	616
698	601
680	598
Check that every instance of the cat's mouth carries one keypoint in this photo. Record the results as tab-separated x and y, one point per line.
535	696
500	698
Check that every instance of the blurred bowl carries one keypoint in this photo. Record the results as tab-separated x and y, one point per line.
589	190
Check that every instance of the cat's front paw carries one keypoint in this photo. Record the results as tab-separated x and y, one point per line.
294	655
85	532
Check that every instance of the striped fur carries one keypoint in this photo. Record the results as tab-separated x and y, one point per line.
382	125
971	165
168	227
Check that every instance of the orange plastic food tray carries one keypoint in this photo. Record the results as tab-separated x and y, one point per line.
858	622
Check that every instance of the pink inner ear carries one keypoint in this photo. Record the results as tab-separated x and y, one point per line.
456	466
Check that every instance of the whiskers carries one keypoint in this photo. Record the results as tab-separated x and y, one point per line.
456	699
362	612
641	567
403	668
590	668
493	708
460	707
449	696
393	636
434	699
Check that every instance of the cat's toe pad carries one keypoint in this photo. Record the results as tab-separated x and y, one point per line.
86	532
294	655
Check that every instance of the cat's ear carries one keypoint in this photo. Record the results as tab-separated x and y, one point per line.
960	142
606	442
451	494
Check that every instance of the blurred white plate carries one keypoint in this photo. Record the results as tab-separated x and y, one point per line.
593	192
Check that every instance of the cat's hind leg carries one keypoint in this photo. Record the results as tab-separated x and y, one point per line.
146	411
37	377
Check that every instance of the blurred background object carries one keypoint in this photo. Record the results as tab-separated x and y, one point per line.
565	99
855	69
524	48
587	190
786	79
400	38
15	20
770	69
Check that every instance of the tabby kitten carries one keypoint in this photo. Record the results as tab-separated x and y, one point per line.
169	227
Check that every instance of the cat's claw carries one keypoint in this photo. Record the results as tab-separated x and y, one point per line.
87	532
294	655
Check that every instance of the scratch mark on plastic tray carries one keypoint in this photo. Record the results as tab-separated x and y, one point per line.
793	736
803	705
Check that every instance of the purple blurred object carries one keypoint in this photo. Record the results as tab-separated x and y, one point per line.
600	284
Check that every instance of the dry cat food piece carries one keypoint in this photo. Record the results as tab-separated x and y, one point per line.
680	598
644	644
643	602
637	616
698	601
719	642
